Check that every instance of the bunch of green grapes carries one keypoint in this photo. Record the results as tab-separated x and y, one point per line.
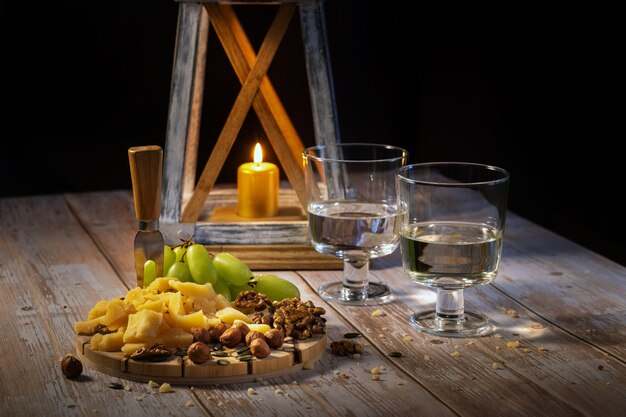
227	274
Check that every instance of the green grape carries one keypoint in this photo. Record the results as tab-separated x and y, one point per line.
230	269
169	257
149	272
200	264
236	289
221	287
180	252
179	270
275	288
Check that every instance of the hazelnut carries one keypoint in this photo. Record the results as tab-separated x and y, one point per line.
71	366
198	352
259	348
243	327
217	330
200	334
231	337
253	334
274	338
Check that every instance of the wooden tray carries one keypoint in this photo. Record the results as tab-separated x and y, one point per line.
181	371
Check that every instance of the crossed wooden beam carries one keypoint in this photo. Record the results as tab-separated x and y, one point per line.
256	91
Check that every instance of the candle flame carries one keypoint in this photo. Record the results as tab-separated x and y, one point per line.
258	154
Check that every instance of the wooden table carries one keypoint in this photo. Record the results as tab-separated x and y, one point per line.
60	254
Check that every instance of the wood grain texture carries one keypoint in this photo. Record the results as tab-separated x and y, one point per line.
195	118
181	371
179	109
321	89
146	164
51	273
337	385
59	255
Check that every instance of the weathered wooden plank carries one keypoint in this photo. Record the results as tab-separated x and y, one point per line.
337	385
320	76
552	373
51	274
195	117
179	110
565	283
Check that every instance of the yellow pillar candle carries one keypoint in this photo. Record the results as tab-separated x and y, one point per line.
257	187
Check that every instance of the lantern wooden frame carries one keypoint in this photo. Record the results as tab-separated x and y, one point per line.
274	243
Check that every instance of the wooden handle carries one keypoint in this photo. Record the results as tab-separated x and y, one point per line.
146	175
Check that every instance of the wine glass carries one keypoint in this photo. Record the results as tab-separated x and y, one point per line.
451	227
352	212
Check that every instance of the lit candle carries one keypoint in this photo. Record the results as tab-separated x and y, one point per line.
257	187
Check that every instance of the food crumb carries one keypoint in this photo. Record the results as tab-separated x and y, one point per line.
378	313
512	313
356	356
189	403
497	336
375	370
153	384
455	354
513	345
501	308
278	391
251	391
309	365
470	343
498	348
526	350
384	329
127	388
426	357
139	397
375	377
542	349
165	387
406	338
497	365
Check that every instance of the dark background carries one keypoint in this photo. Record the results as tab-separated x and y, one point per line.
533	89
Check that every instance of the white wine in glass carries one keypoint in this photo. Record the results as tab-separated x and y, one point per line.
353	213
451	230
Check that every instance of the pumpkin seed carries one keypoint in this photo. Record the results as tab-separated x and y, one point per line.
351	335
223	362
243	349
115	385
219	354
395	354
245	357
180	353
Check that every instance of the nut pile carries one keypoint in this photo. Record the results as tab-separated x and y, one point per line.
299	319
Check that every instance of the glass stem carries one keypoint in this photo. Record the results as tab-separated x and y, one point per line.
355	279
450	310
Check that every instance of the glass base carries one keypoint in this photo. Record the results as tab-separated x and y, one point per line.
375	294
472	325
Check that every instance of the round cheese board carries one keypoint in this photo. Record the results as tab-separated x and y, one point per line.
179	370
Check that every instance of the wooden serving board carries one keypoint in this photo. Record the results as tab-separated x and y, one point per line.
181	371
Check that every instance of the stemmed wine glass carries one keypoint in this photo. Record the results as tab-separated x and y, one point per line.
352	213
451	229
